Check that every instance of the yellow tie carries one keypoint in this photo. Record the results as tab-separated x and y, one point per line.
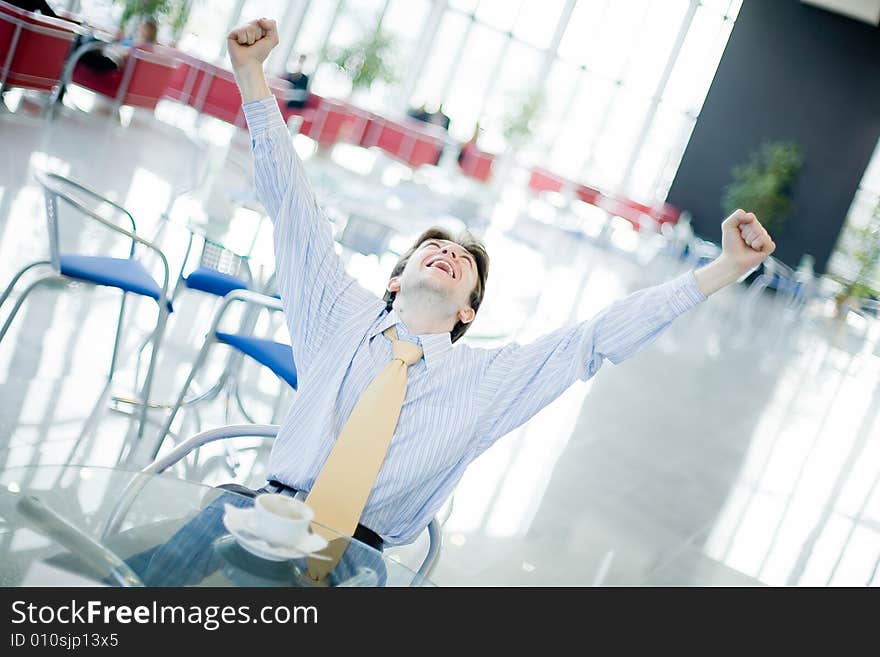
344	483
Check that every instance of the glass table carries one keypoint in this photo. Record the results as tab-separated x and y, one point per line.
80	525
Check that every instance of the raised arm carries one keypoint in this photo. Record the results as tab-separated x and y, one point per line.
317	293
518	381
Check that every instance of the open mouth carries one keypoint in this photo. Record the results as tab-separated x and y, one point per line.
442	265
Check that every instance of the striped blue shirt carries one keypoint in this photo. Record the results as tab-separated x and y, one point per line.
459	399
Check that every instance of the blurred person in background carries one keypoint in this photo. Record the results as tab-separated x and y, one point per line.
111	57
298	94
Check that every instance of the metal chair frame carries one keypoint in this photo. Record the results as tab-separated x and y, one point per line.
213	256
227	379
52	184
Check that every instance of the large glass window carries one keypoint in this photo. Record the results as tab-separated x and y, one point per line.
516	78
621	84
437	72
403	21
863	215
601	121
537	21
313	32
253	9
204	34
101	13
472	76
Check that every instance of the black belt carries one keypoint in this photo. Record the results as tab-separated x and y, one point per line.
361	533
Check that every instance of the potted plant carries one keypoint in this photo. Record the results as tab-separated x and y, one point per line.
516	127
174	13
368	59
866	254
519	122
763	184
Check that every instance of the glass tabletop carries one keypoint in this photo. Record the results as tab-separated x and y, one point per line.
73	525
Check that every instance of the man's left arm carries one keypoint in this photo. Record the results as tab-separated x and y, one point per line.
519	380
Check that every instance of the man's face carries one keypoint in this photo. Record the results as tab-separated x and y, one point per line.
445	268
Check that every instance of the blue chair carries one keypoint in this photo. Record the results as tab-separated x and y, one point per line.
276	356
216	272
126	274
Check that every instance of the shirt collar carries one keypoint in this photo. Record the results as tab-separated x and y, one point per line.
435	346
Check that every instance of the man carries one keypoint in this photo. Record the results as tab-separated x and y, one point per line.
349	344
298	95
458	400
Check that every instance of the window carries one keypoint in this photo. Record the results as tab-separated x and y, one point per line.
862	214
609	116
537	21
313	32
441	61
254	9
204	34
472	75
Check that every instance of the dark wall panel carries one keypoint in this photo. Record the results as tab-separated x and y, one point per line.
792	72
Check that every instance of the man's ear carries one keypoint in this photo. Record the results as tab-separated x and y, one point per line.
466	315
393	284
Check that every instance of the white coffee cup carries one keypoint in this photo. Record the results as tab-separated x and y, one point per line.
281	519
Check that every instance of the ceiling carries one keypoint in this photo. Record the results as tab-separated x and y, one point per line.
863	10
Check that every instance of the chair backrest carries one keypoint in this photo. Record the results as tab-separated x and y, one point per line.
330	122
33	49
183	86
141	83
146	76
422	149
542	180
588	195
477	164
218	96
55	187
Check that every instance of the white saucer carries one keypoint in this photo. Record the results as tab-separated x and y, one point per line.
239	523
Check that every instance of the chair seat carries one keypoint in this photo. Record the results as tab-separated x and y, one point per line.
274	355
123	273
214	282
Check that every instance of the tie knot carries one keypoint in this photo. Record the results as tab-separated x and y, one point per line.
408	352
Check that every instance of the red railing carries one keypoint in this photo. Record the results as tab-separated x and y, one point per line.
542	180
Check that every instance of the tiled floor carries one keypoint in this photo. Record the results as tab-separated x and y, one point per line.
739	449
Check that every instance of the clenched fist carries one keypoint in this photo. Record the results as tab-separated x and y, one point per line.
745	241
251	43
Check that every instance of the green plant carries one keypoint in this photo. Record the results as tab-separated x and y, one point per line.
368	59
518	122
179	15
762	186
866	253
172	12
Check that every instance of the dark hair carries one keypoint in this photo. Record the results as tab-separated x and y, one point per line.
473	246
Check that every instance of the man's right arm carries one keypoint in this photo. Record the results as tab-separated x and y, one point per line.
317	293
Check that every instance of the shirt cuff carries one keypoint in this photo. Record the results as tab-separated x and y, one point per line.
262	115
683	293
